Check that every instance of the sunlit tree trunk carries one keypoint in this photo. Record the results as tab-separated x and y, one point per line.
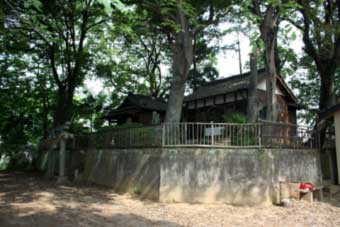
252	91
268	30
182	61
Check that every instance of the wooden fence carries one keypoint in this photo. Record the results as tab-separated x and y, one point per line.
203	135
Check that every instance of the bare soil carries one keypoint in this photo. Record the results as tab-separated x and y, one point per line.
29	200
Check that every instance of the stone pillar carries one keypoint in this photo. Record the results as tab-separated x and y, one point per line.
62	160
337	141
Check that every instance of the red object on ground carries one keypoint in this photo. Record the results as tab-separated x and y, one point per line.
307	186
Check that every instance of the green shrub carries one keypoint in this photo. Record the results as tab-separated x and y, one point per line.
127	135
240	136
237	118
137	190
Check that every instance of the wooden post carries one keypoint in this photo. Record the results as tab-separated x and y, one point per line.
337	141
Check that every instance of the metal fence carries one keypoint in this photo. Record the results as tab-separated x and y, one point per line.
146	136
211	134
288	136
202	135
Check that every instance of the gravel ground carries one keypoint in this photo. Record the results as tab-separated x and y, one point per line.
28	200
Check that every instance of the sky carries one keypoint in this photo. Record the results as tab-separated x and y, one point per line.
228	62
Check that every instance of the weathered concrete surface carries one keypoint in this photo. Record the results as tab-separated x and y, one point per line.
297	165
125	170
231	176
204	175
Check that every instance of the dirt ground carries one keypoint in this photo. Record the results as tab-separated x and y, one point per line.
29	200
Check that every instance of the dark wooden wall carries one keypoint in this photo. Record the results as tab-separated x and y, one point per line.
215	112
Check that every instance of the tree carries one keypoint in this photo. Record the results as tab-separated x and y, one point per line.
89	111
134	61
25	100
308	84
267	16
204	58
319	22
180	20
62	31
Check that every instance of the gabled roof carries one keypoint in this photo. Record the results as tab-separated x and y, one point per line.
133	102
144	102
232	84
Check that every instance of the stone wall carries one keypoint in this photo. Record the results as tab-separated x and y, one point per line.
206	175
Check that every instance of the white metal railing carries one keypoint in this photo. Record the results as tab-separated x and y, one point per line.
212	134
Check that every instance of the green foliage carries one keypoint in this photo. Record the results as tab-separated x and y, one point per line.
4	162
307	83
38	35
319	25
90	113
134	62
237	118
205	59
109	5
128	134
240	136
25	97
136	190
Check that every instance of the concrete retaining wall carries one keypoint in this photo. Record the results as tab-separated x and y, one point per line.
207	175
125	170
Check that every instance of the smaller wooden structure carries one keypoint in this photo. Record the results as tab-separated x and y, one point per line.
334	112
138	109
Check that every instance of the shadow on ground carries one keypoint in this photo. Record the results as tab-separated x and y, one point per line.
30	200
58	219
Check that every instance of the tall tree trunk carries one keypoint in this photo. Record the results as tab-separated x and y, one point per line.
182	61
64	108
252	91
327	89
327	94
175	102
269	28
278	62
195	73
270	69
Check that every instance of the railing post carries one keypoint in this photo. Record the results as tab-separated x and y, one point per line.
185	133
259	134
163	135
212	132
